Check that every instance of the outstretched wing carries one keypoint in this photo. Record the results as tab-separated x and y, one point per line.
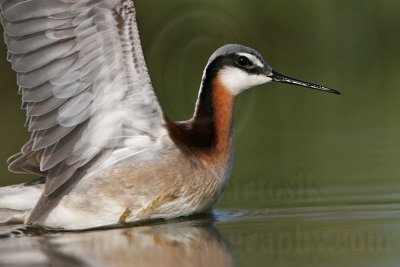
83	81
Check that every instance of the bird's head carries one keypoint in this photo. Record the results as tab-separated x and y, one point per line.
239	68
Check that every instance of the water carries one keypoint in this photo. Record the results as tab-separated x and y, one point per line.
316	176
365	235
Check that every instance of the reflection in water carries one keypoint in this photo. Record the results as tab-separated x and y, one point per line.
187	243
300	236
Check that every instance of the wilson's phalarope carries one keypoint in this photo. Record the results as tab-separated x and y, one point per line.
105	150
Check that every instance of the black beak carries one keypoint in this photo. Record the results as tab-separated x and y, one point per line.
277	77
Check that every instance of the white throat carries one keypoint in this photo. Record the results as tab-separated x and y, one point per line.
237	80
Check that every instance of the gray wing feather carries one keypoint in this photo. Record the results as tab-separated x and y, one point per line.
74	106
35	60
43	122
80	117
20	45
61	150
41	25
83	80
42	75
22	10
48	137
37	94
43	107
59	175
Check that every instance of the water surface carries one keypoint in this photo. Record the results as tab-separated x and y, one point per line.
336	236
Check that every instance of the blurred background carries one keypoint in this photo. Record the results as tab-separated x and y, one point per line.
294	147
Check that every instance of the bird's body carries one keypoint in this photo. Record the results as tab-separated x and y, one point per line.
149	190
106	151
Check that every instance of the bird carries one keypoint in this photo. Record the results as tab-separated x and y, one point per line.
104	151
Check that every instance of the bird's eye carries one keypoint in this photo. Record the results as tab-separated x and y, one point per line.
243	61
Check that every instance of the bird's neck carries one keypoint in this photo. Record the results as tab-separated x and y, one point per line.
209	133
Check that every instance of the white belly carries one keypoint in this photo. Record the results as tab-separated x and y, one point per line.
68	214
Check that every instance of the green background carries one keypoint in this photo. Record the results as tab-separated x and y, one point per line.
333	159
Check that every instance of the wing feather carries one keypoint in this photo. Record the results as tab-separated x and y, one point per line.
48	137
58	152
43	122
39	76
44	107
37	94
21	45
23	10
84	85
32	61
73	120
28	27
